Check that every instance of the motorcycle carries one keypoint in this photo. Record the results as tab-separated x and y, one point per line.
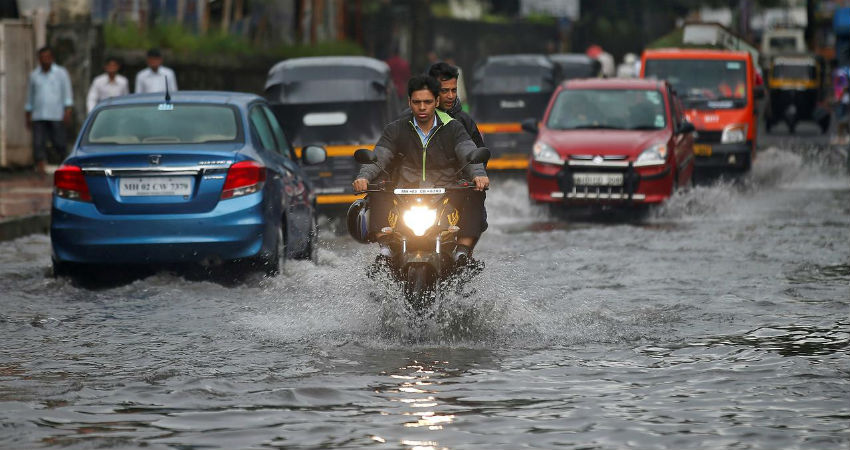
422	232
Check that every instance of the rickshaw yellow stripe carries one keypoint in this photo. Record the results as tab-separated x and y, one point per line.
330	199
792	84
339	150
507	164
500	127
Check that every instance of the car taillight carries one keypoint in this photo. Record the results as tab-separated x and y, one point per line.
243	178
69	182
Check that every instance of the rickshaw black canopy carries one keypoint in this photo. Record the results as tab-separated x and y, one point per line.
514	74
305	80
576	65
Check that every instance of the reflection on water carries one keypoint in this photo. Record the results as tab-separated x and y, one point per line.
417	389
815	273
784	340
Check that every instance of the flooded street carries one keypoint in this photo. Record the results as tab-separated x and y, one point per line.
720	321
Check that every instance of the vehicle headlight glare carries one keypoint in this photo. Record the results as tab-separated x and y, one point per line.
544	153
656	154
419	219
734	133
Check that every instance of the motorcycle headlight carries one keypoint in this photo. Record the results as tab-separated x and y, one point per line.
419	219
734	133
652	156
544	153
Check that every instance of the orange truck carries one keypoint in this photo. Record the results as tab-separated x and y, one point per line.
718	91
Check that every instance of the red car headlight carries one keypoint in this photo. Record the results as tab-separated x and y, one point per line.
544	153
655	155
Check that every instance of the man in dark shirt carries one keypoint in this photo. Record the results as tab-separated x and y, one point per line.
449	102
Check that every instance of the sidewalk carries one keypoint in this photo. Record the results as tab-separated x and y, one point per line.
24	202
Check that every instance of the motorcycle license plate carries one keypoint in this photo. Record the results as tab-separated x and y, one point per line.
702	150
598	179
419	191
147	186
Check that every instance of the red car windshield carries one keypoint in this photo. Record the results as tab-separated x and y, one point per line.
626	109
699	80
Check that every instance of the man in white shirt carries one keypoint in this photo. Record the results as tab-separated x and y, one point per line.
48	107
155	77
109	84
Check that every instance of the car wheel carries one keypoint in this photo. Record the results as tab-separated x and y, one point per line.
792	125
313	247
63	269
674	185
310	252
275	261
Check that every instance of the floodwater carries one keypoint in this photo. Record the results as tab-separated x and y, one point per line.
720	321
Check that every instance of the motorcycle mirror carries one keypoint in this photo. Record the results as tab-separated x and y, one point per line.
480	156
364	156
686	127
314	154
529	126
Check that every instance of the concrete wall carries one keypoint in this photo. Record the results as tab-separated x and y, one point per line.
16	62
78	47
467	42
204	72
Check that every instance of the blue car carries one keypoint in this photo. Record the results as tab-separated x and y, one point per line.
194	177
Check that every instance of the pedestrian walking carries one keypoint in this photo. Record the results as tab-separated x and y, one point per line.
48	107
108	84
399	71
156	76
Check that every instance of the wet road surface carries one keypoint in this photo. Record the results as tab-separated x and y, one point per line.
722	320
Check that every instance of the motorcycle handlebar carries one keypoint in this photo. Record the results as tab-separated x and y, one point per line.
381	187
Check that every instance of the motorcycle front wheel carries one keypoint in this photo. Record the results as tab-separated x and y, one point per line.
419	286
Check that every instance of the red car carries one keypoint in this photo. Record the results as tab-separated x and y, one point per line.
612	142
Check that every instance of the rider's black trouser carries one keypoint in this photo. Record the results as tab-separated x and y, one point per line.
470	203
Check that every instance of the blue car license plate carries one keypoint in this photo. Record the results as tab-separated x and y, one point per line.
147	186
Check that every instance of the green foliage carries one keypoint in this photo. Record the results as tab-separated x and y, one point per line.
541	19
330	48
125	36
440	9
179	39
672	39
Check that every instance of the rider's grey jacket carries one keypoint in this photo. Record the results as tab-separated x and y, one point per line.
434	164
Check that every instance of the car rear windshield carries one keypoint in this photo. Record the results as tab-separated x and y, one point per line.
622	109
164	124
513	80
706	80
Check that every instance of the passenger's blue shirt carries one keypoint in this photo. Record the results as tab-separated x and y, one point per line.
48	94
422	135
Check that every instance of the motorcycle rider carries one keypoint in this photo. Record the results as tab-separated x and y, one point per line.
426	148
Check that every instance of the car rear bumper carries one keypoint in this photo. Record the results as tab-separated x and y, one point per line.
642	185
233	230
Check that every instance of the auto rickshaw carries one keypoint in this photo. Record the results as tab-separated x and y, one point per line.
340	102
795	92
507	90
577	65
